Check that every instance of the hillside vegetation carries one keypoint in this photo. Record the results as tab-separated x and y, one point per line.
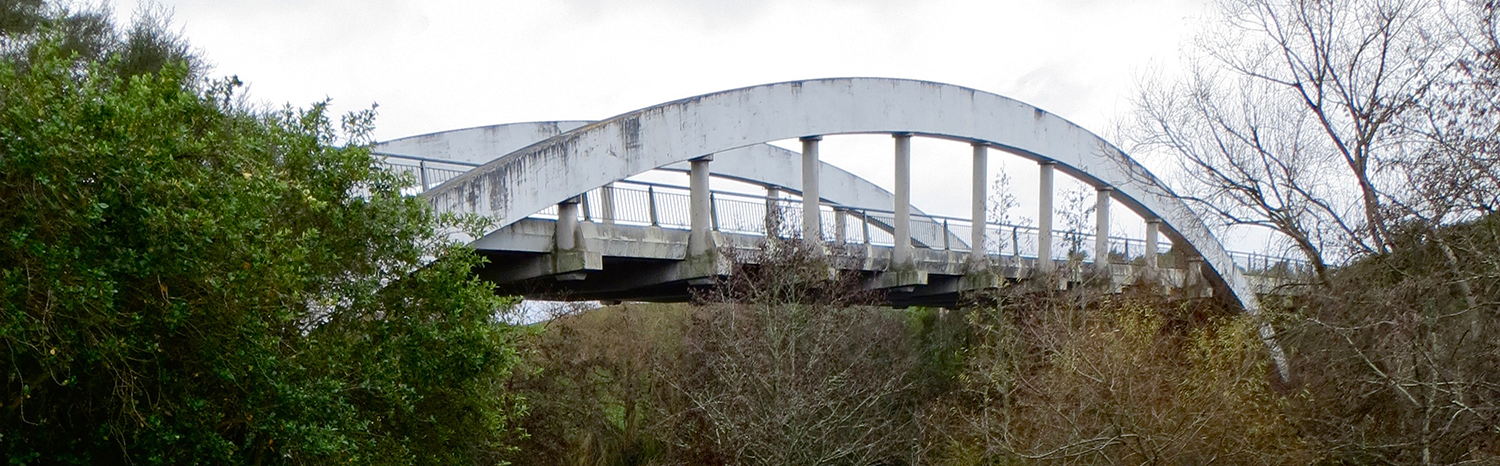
798	371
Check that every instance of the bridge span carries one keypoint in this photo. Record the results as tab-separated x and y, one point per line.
572	220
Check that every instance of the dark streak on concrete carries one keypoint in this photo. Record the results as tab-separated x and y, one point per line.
630	133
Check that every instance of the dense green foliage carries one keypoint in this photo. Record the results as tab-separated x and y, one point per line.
185	280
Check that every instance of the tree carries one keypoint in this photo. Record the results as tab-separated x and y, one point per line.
1078	207
1079	377
1365	126
1287	117
1454	163
784	365
1398	365
184	279
600	379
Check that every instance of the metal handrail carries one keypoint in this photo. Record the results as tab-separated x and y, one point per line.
424	159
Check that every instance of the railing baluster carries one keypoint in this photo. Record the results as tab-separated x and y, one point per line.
713	211
585	206
946	246
422	173
864	225
1015	242
651	204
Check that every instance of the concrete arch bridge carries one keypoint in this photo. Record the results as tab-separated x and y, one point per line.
574	220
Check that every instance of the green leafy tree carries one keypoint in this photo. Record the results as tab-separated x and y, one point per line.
187	280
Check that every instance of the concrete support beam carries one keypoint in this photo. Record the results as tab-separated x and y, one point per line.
1153	229
773	212
1044	217
1101	228
1194	283
901	255
607	204
567	224
840	226
812	220
978	204
700	217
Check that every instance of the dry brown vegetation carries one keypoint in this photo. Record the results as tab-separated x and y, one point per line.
785	364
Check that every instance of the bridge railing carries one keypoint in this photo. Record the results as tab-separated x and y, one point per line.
668	206
426	172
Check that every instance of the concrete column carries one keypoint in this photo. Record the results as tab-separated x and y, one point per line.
1195	283
1044	217
902	253
607	204
567	224
1153	228
977	215
840	224
773	212
1101	228
812	220
700	218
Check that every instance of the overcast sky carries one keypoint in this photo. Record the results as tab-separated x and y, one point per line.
436	65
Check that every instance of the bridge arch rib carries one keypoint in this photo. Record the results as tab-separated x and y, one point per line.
555	169
765	165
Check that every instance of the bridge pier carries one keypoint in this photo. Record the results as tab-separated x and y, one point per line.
1195	284
977	217
569	258
812	221
902	272
1101	229
840	226
1044	217
1153	258
901	255
703	261
567	224
700	207
773	212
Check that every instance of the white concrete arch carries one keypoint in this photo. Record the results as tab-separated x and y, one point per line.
479	144
551	171
761	164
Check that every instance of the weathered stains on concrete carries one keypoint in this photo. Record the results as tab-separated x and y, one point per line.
547	130
630	133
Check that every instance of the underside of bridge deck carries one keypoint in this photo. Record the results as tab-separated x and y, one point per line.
646	263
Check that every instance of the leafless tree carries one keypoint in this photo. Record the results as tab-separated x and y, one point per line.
1453	170
1287	115
1078	208
784	365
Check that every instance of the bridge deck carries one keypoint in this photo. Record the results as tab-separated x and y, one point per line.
651	263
